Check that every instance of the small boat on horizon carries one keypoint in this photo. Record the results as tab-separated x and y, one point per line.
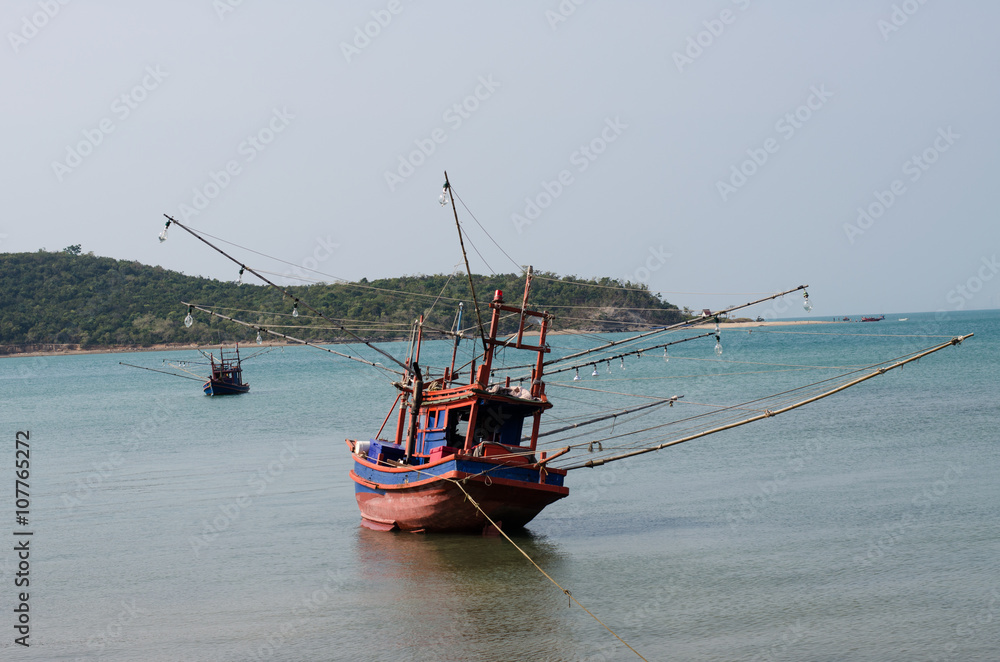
873	319
227	374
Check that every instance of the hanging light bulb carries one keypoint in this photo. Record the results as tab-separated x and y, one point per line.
666	357
295	308
239	281
623	363
609	367
188	321
716	326
259	338
718	346
594	374
576	377
163	234
443	198
806	303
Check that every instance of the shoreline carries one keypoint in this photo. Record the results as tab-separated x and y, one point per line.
159	347
172	347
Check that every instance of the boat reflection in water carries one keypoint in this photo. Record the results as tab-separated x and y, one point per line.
455	597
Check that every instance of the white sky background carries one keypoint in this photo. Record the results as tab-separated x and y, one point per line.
652	191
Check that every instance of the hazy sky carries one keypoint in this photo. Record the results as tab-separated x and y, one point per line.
710	147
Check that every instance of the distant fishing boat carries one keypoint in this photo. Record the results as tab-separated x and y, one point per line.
227	374
873	319
903	319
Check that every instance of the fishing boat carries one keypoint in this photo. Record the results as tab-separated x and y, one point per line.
463	452
457	442
227	374
873	319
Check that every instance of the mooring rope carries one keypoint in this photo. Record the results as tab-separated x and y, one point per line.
539	568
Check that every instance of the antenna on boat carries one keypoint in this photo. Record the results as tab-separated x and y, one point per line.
458	339
475	301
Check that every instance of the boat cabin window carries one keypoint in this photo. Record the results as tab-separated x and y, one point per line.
458	426
436	419
500	423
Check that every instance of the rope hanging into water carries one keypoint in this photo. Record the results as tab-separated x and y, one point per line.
539	568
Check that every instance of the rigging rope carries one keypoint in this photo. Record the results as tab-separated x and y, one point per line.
461	243
673	327
595	362
648	291
280	289
292	338
518	266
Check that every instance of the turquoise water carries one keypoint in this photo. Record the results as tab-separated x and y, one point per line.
173	526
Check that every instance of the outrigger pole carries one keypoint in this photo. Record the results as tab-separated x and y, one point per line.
624	354
768	413
172	374
275	333
672	327
285	292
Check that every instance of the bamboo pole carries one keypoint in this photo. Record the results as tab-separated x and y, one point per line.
769	413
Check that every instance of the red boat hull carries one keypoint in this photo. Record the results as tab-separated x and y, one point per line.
439	505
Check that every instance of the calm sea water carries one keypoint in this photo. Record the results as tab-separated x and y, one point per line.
173	526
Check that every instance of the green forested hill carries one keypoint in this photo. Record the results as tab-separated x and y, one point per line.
69	298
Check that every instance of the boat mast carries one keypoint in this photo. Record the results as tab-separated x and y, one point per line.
461	242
